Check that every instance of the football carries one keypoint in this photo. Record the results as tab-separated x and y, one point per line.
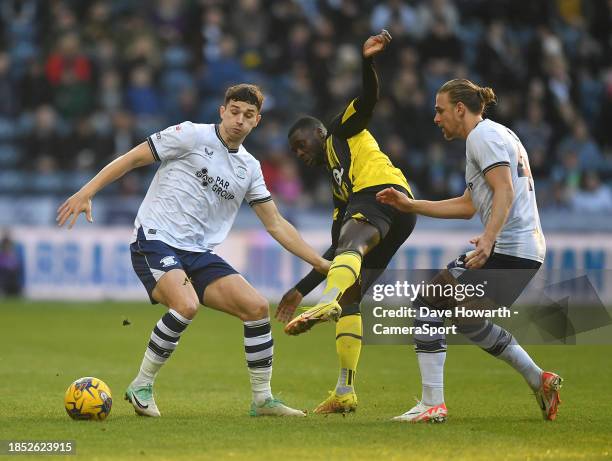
88	399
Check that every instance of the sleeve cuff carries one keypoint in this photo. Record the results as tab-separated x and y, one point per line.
153	149
495	165
260	200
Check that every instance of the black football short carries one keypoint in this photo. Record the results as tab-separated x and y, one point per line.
393	225
505	276
363	206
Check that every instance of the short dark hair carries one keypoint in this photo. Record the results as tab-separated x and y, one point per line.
305	122
245	92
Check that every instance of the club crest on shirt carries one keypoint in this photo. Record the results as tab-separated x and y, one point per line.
241	172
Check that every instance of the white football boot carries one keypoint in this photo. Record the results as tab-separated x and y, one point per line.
424	413
141	398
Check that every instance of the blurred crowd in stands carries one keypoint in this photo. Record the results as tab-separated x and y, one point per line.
83	81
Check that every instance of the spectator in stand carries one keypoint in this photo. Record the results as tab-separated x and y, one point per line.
98	26
441	44
82	151
34	89
143	100
398	17
9	102
110	94
11	267
499	61
223	69
593	196
70	74
121	138
605	133
568	173
46	139
534	131
67	59
581	142
169	20
288	186
141	94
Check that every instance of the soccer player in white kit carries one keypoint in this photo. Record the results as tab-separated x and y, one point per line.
500	188
204	175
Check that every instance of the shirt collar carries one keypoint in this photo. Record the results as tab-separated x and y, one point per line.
229	149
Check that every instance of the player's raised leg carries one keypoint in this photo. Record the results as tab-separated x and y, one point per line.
173	290
234	295
357	238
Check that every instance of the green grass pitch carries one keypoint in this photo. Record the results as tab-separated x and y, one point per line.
203	393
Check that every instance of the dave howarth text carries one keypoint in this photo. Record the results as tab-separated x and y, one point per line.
427	312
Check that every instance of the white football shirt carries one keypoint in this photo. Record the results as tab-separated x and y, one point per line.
195	195
490	145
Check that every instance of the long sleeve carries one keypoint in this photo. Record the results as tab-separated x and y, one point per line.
313	278
356	116
369	87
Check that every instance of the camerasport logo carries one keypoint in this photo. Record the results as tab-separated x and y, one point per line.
220	186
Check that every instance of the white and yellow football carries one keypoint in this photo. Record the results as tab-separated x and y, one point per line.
88	399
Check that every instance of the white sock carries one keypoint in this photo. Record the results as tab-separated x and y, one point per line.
148	370
260	384
519	359
432	377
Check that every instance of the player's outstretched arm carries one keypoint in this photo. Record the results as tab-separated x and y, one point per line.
81	201
376	43
356	116
454	208
396	199
288	236
364	105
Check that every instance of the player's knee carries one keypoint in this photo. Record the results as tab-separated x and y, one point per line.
188	308
256	310
349	246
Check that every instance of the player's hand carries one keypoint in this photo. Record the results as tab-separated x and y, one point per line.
288	304
322	267
72	208
396	199
376	43
476	258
